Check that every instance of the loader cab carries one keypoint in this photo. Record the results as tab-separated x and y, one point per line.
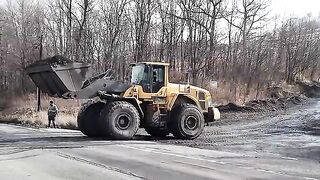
151	76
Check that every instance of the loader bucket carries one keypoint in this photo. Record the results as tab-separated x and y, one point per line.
57	75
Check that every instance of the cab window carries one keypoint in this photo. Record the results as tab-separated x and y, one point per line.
157	78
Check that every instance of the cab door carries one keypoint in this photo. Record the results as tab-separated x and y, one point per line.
154	78
154	84
158	78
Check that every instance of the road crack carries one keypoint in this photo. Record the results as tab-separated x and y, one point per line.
67	156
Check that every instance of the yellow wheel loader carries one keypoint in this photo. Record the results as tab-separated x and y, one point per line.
117	109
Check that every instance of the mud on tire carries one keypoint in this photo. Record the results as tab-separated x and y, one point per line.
119	120
88	118
186	121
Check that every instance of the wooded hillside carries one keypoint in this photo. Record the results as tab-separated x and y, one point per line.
237	43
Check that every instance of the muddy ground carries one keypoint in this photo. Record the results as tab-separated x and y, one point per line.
261	145
292	133
289	132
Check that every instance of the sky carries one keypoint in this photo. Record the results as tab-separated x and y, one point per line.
298	8
283	8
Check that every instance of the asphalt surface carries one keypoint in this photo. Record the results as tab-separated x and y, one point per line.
241	146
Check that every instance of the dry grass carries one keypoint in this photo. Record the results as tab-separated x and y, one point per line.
22	110
290	88
224	94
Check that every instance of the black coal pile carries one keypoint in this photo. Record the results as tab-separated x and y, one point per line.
232	107
55	60
310	89
265	105
276	104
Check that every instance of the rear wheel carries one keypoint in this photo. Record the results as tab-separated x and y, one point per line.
186	121
119	120
88	118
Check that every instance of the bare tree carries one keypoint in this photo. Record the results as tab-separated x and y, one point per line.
222	40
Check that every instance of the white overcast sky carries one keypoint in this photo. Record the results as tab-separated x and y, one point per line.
283	8
295	7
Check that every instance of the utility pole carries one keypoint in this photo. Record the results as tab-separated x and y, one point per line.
2	68
38	90
40	54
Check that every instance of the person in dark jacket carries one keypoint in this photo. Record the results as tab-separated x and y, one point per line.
52	113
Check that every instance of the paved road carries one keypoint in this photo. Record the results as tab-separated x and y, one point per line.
27	153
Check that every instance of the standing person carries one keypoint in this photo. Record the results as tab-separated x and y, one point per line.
52	113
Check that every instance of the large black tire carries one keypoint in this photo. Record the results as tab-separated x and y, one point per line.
152	126
119	120
88	118
156	132
186	121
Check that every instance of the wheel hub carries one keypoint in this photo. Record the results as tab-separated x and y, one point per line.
191	123
123	122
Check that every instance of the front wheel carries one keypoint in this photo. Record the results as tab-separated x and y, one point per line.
119	120
186	121
88	117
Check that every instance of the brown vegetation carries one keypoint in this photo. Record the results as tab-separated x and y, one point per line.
22	110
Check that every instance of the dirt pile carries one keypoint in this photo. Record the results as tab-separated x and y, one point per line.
263	105
279	99
52	61
232	107
310	89
275	104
